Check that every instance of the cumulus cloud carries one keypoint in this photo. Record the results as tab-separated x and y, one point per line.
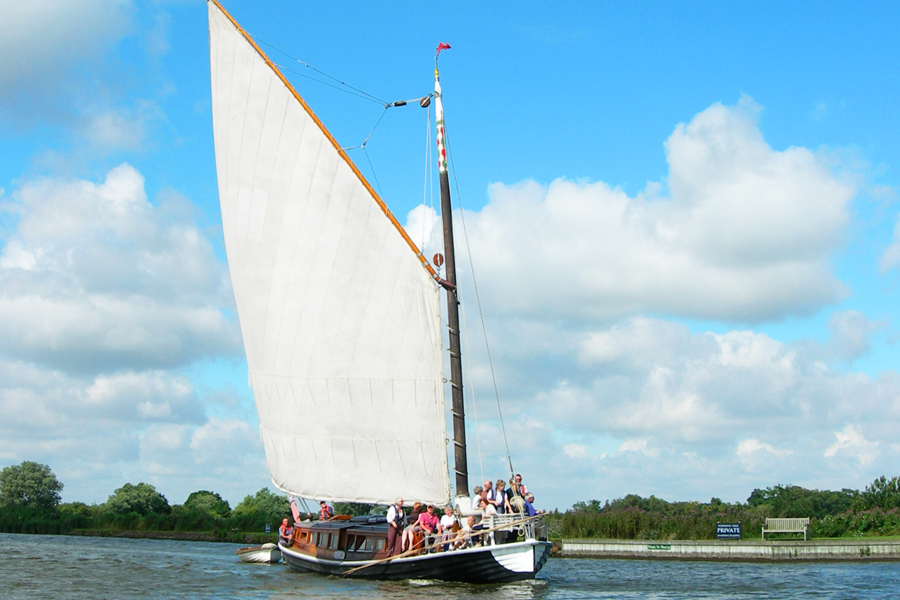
669	411
423	226
743	234
94	278
42	39
105	299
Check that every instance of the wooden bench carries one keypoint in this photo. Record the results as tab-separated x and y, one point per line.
786	526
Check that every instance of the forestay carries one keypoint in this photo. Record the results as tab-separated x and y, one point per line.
341	321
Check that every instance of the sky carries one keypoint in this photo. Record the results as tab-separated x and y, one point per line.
682	219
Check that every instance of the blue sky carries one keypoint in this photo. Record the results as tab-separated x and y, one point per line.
683	217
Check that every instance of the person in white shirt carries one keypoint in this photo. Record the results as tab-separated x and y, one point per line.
396	519
448	520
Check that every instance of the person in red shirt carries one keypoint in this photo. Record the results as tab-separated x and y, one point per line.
429	522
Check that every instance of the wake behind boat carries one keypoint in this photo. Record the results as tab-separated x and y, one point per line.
341	322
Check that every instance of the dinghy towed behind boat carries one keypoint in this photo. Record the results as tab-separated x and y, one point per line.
340	316
267	553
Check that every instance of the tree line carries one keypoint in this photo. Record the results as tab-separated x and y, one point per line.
874	511
30	502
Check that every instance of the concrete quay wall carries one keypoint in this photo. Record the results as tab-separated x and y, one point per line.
734	550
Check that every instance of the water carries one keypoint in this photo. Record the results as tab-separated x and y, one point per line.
62	568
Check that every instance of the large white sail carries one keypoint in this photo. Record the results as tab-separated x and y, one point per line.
340	319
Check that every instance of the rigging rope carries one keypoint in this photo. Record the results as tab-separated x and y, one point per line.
358	91
374	174
478	300
366	141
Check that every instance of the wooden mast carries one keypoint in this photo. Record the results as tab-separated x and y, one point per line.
458	410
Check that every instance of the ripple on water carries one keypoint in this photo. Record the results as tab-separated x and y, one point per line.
74	568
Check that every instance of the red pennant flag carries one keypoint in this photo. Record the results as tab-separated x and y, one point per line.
441	46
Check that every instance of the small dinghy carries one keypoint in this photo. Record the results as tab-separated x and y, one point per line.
267	553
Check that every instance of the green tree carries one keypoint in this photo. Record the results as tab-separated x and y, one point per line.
273	506
883	493
209	503
142	499
29	485
795	501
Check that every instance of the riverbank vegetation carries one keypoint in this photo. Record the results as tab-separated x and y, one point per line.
875	511
30	502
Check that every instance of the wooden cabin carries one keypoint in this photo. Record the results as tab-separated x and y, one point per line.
358	538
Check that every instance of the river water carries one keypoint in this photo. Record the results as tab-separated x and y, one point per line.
60	568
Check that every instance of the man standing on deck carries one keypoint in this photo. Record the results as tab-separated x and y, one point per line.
395	518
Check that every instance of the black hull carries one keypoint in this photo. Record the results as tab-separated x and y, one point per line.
488	564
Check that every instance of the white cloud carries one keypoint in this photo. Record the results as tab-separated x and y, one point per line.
423	226
750	446
852	442
104	298
46	45
95	278
575	450
744	235
38	37
677	410
638	445
99	432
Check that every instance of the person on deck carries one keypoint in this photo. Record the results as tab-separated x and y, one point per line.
476	498
407	540
490	498
488	506
448	525
529	507
469	529
396	519
516	494
429	523
325	512
285	533
501	498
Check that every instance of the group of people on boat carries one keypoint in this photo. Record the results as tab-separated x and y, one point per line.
423	527
495	498
447	532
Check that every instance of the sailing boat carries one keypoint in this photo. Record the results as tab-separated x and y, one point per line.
340	316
